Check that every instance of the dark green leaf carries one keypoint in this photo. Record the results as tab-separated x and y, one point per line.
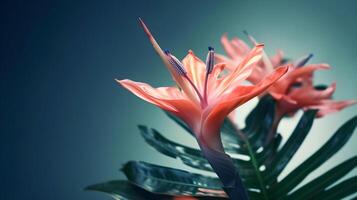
341	190
260	121
169	181
124	190
294	142
332	146
315	187
189	156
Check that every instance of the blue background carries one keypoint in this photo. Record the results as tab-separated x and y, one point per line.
65	123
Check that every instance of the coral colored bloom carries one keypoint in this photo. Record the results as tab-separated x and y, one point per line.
204	97
295	89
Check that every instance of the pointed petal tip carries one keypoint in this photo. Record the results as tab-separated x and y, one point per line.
224	37
143	25
325	66
120	82
283	69
333	84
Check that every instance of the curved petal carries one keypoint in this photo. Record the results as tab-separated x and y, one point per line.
309	95
180	81
240	46
241	94
221	58
242	71
228	47
196	69
283	85
160	97
330	106
277	59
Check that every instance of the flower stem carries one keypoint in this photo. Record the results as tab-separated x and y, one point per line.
223	165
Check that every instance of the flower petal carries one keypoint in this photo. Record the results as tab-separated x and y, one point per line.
283	85
228	47
309	95
242	71
241	94
277	59
180	81
166	98
330	106
157	97
240	46
196	69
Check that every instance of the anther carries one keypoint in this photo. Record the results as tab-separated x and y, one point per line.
301	62
176	63
210	60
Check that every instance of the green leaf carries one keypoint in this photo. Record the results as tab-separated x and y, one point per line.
282	158
341	190
231	142
260	121
169	181
189	156
332	146
124	190
315	187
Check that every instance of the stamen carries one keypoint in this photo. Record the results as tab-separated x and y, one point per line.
301	62
181	70
266	59
210	60
209	68
176	63
251	38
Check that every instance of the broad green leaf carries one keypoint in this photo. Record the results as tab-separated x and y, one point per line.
316	186
269	150
124	190
260	121
341	190
332	146
282	158
189	156
169	181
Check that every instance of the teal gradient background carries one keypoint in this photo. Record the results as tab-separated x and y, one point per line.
66	124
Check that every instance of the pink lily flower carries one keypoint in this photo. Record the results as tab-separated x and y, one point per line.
203	98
